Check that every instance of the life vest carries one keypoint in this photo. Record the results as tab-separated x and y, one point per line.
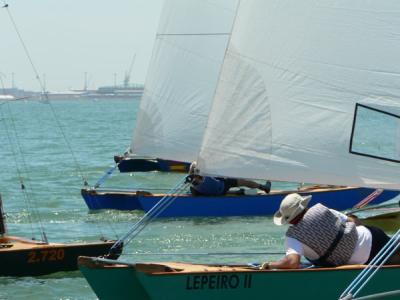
322	231
210	186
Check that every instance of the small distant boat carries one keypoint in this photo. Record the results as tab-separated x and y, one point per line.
6	97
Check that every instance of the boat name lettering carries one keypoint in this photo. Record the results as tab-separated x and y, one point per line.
200	282
45	255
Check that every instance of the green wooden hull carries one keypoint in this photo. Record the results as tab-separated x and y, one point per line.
129	281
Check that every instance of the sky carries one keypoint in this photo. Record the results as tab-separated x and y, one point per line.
66	38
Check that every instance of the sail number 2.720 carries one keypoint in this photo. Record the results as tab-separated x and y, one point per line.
45	255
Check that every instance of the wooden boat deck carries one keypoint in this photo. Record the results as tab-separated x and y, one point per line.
176	267
10	243
181	267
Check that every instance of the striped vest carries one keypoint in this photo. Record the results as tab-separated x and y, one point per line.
318	229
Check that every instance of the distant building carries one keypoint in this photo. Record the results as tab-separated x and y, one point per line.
133	90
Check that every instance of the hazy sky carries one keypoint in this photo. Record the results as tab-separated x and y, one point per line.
67	38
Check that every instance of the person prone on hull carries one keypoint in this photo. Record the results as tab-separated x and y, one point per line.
325	237
218	186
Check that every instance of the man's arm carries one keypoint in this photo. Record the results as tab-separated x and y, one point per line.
290	261
347	218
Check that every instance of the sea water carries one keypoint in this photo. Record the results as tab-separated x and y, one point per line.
52	148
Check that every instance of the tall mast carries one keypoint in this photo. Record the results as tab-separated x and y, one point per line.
85	83
44	84
3	229
128	73
12	81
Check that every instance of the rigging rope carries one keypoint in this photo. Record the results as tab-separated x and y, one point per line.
107	174
155	211
77	165
25	191
374	266
42	88
23	45
383	295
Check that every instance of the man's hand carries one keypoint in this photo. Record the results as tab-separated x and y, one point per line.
264	266
290	261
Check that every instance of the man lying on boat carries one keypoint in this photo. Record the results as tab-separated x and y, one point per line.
217	186
325	236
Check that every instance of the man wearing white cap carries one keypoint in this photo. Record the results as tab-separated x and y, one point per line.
324	236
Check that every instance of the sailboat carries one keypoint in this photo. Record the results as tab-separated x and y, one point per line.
181	81
260	204
28	257
302	94
130	162
20	256
179	87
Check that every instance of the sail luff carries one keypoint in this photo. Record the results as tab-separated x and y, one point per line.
286	100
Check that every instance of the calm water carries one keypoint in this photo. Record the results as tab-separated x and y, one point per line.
96	130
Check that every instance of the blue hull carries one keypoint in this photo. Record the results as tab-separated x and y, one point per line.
224	206
111	200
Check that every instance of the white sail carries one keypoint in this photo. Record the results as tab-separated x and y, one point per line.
182	78
286	99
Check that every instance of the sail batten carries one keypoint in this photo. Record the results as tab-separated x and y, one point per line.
286	103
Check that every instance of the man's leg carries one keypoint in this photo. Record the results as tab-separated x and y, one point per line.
254	185
379	240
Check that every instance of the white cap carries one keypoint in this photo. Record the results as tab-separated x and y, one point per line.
291	207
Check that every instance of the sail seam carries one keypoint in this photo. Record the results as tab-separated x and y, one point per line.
192	34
